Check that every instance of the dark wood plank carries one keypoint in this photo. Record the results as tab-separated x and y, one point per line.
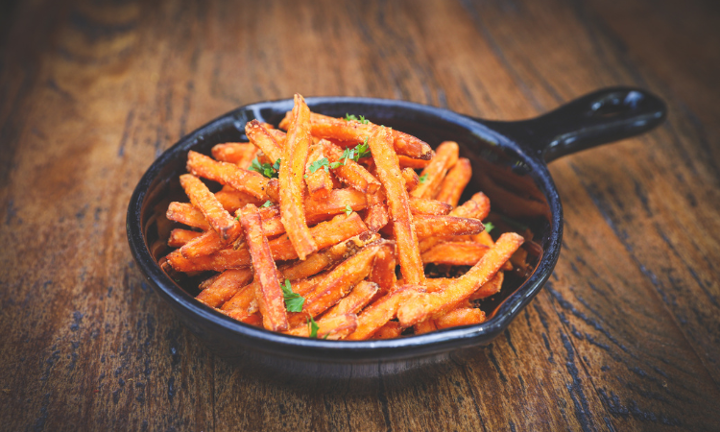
624	337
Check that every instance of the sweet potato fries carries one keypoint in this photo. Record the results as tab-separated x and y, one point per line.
325	230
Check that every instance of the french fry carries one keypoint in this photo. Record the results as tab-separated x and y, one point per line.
490	287
228	174
209	242
408	162
268	293
319	182
383	271
232	199
454	182
426	326
337	202
455	253
476	207
433	174
426	206
353	131
383	310
350	172
292	170
224	287
332	328
377	217
201	197
358	298
209	281
483	238
403	226
273	190
179	237
426	305
259	134
460	317
241	154
428	226
390	330
411	179
186	214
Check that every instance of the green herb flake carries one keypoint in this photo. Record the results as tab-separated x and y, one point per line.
269	171
267	203
314	327
363	120
489	227
293	301
348	210
423	178
349	117
320	163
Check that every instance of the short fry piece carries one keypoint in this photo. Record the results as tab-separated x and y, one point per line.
179	237
460	317
241	154
185	213
426	305
292	170
390	330
268	293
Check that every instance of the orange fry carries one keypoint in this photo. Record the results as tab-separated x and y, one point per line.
319	182
425	206
490	288
232	199
268	293
332	328
201	197
186	214
224	287
241	154
432	304
403	226
428	226
259	134
390	330
433	174
350	172
411	179
226	173
454	182
383	272
292	170
460	317
358	298
455	253
383	310
179	237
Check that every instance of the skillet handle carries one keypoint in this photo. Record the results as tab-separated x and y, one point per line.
597	118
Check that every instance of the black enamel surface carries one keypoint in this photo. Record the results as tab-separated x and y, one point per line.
510	154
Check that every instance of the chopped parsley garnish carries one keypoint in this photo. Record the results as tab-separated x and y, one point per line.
269	171
293	301
320	163
314	327
362	119
267	203
348	210
356	153
489	227
423	178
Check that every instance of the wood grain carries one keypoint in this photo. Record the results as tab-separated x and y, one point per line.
625	336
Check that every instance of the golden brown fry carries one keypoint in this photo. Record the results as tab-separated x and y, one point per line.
460	317
201	197
427	305
433	174
353	131
226	173
408	162
268	293
336	202
383	310
331	328
426	326
209	242
240	154
403	226
454	182
259	134
232	199
455	253
179	237
477	207
377	217
383	271
292	170
353	303
224	287
350	172
426	206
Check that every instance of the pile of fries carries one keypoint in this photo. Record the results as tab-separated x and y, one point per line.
311	225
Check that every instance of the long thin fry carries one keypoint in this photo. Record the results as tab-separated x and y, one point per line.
292	170
404	229
259	134
383	310
454	182
201	197
332	328
433	174
226	173
426	305
224	287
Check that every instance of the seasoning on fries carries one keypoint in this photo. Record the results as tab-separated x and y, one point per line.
324	231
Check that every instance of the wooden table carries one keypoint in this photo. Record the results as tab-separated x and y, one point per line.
625	336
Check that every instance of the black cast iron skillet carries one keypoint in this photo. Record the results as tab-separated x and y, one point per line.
509	165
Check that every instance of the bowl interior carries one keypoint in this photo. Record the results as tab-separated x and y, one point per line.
519	186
